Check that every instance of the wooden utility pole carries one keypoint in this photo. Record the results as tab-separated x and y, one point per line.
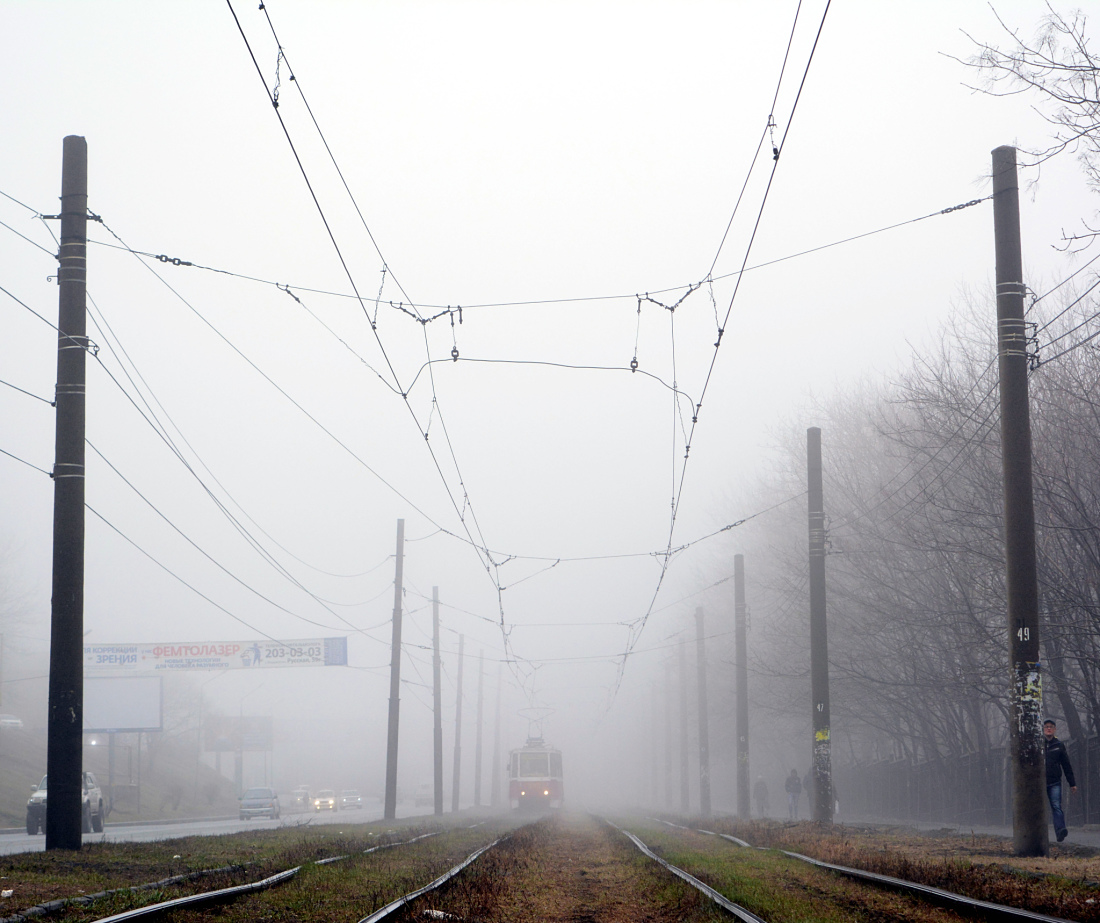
685	794
480	722
740	628
390	811
437	708
494	793
456	771
1026	746
64	743
704	724
819	639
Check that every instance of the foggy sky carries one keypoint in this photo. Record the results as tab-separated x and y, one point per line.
524	161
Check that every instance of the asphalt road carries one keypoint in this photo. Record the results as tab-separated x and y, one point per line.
16	842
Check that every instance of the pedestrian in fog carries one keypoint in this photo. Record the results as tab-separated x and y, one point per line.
793	788
760	793
1057	759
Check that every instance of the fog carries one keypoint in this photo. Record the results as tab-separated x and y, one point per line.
259	421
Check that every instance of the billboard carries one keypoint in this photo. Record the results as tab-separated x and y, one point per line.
122	703
215	655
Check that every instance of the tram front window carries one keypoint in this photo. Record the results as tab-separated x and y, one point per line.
533	765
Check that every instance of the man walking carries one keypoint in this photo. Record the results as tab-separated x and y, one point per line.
1057	759
793	788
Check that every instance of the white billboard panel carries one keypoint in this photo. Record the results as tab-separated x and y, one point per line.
122	703
216	655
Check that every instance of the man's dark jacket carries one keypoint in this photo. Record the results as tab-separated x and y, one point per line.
1057	759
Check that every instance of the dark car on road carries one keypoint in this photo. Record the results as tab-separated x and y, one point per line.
91	807
260	802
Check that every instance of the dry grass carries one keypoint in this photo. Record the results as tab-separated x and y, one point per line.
36	878
982	867
567	869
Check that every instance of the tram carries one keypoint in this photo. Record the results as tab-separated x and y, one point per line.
535	777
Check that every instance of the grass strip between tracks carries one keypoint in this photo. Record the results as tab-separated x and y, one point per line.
120	877
720	899
977	868
566	867
777	887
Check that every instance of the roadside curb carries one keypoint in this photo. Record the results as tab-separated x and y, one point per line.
143	823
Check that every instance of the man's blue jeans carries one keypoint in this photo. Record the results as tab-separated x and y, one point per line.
1054	796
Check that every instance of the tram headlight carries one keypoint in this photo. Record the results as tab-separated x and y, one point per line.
546	792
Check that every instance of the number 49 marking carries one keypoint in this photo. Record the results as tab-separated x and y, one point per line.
1024	634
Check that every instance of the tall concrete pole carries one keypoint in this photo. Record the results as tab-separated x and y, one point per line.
64	741
390	808
819	639
740	628
669	700
704	724
685	794
654	747
480	723
498	756
1026	746
437	708
456	771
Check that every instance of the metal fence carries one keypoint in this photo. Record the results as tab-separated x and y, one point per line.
973	789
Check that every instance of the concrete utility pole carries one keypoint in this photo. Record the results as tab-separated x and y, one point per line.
655	746
669	699
685	794
740	628
480	722
1029	825
64	743
456	771
704	731
494	794
437	708
390	810
819	637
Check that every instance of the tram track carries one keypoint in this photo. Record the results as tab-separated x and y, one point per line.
82	906
563	868
959	903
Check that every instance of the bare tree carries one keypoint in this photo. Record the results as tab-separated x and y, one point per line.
1058	67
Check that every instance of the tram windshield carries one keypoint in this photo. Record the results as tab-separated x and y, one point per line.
533	765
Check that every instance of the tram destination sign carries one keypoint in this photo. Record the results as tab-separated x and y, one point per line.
216	655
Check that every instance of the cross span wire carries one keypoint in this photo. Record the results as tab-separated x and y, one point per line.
678	493
479	546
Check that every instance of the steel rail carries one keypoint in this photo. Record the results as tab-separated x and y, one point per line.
222	894
950	899
747	916
442	879
81	900
956	902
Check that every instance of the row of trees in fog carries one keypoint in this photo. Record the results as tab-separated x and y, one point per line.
913	497
913	494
